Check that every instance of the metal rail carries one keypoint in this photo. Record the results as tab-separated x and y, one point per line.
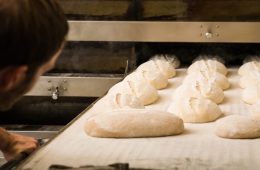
147	31
56	86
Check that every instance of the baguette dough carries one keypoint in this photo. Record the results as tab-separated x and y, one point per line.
163	66
248	67
209	65
198	89
238	127
155	78
195	110
129	123
204	76
250	79
143	90
251	94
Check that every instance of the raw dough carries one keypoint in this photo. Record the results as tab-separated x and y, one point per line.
198	89
251	94
129	123
248	67
250	79
238	127
209	65
155	78
204	76
163	66
166	67
195	110
255	111
143	90
119	101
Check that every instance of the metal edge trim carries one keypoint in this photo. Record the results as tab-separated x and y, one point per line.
73	86
149	31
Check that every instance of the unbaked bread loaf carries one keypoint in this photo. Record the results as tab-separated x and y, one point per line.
166	67
163	66
195	110
255	111
209	65
130	123
143	90
204	76
250	79
198	89
248	67
238	127
251	94
155	78
120	101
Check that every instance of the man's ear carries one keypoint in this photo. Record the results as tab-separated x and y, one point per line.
11	77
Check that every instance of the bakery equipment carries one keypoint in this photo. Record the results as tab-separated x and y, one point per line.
144	28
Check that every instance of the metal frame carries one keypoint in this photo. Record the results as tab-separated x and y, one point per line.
56	86
146	31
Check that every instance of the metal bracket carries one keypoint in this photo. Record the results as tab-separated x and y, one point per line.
210	31
57	88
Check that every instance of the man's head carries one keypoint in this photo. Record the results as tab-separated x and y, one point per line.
32	34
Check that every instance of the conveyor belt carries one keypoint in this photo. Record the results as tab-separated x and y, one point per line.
198	148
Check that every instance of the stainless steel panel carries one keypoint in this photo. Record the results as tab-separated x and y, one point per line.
73	86
133	31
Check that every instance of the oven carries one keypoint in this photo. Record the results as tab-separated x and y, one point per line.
110	39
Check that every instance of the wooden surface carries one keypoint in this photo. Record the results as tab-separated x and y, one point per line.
197	148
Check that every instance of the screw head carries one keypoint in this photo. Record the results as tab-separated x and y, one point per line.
208	35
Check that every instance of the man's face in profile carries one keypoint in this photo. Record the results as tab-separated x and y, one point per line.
9	98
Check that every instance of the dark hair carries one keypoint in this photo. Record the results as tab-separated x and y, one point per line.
31	31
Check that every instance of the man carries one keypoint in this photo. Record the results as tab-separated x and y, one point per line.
32	35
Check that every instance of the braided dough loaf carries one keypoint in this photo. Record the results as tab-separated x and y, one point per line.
129	123
252	78
155	78
195	110
209	65
207	77
198	89
251	94
248	67
163	66
119	101
255	111
143	90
